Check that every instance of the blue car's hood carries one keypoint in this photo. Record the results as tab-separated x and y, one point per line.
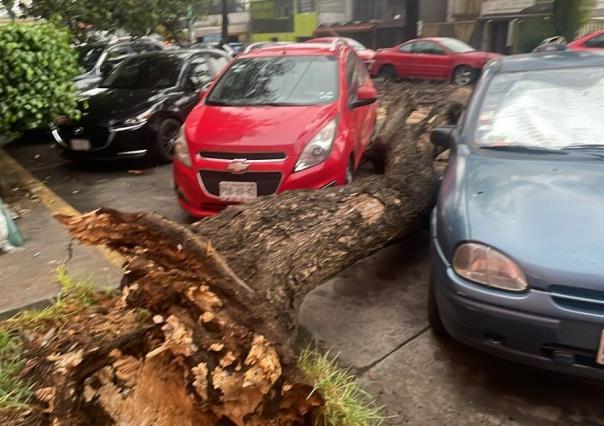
546	213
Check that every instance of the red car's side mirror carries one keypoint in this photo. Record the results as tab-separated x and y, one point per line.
366	95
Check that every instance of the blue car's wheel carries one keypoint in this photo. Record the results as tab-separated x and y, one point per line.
434	319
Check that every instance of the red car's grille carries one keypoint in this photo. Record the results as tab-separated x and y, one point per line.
268	183
250	156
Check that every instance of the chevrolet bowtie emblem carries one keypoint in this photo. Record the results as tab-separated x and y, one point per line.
238	167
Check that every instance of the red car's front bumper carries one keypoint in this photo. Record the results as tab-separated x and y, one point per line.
197	187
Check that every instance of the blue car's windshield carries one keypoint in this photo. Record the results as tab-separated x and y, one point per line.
554	109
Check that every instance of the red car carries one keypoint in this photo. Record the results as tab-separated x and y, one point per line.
280	118
364	53
436	58
594	40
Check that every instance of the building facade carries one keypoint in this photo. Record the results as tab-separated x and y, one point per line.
209	27
375	23
504	26
283	20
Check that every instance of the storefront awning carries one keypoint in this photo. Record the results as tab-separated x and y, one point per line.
503	10
335	29
357	27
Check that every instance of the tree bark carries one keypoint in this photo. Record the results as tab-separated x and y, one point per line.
224	292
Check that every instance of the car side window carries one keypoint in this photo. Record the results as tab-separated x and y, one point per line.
218	63
199	73
597	41
145	47
428	48
119	52
352	77
407	48
362	72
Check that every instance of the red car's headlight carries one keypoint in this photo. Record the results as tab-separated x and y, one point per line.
485	265
318	149
181	149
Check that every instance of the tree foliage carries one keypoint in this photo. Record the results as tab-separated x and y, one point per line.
570	15
37	67
136	17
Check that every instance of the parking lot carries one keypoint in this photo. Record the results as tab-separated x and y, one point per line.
373	315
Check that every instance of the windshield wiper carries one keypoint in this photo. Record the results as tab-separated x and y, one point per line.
523	148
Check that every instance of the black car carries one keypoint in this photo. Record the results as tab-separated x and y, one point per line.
99	59
139	108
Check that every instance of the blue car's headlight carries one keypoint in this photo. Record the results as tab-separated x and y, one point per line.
485	265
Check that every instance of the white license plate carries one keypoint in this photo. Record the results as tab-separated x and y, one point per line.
600	359
238	192
80	145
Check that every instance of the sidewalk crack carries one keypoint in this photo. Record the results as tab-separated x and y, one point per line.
363	370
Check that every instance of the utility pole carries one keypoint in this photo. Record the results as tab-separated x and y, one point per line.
225	21
411	17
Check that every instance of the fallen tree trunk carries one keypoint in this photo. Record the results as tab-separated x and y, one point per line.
224	292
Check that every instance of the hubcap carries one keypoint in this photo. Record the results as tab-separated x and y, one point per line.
169	139
463	76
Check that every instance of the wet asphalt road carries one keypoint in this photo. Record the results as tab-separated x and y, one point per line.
129	185
372	314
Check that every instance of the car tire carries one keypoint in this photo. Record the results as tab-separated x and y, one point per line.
464	75
388	72
162	148
436	323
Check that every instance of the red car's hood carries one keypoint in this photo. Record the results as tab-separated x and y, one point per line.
254	128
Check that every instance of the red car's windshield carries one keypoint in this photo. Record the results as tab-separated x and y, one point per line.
279	80
456	46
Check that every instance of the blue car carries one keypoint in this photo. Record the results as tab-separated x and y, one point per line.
517	266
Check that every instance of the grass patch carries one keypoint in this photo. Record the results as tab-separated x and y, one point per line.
346	404
75	296
14	391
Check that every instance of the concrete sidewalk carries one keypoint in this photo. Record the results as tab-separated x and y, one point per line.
373	315
27	276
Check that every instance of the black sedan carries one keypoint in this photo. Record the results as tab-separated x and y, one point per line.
139	108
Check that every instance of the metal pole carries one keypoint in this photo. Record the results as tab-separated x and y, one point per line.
225	21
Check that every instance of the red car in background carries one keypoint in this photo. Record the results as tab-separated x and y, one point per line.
280	118
593	40
364	53
436	58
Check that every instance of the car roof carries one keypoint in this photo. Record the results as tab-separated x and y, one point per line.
436	39
586	37
180	53
547	61
295	49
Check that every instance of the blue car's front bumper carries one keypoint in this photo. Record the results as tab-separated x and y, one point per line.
529	328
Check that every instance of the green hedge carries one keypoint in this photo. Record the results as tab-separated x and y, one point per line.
37	67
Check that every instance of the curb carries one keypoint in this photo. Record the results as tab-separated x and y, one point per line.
49	198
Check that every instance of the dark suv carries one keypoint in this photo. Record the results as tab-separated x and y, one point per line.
99	59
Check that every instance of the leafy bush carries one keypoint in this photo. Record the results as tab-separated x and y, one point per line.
37	67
